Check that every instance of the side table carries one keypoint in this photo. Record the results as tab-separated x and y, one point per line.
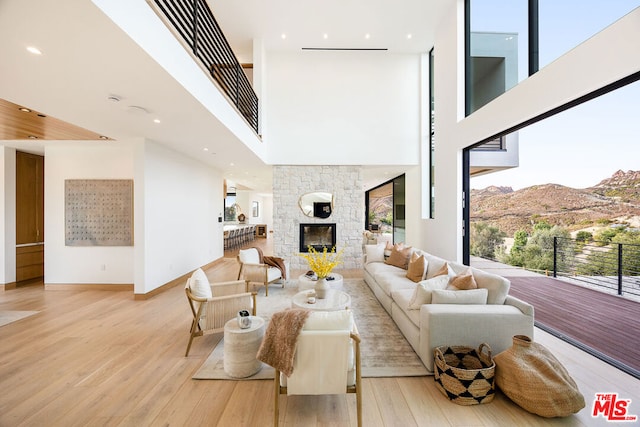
241	347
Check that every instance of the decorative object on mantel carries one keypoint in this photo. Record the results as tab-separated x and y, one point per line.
465	375
321	264
532	377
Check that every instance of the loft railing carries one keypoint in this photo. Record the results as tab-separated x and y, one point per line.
195	23
615	266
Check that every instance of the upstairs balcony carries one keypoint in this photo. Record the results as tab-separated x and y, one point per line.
202	36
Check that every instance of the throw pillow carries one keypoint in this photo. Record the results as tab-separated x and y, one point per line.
424	289
200	286
417	267
399	257
473	296
374	253
464	281
444	270
389	247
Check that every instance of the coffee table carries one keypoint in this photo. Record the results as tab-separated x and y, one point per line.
335	300
305	283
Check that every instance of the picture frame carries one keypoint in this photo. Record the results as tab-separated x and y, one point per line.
255	209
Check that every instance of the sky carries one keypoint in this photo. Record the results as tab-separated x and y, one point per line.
586	144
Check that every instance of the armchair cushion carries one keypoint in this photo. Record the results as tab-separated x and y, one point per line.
249	256
199	284
329	320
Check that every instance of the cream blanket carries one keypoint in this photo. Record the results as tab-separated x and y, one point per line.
278	347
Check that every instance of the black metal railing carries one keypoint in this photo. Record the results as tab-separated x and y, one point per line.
615	266
195	23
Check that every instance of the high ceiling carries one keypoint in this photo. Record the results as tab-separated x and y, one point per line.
92	75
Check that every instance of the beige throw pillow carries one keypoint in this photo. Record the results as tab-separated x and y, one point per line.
464	281
473	296
444	271
417	267
399	257
424	289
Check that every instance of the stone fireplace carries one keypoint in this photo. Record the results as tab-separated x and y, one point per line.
290	182
317	236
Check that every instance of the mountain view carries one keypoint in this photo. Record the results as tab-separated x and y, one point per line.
615	200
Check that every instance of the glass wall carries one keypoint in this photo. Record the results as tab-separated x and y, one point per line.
385	209
565	24
508	40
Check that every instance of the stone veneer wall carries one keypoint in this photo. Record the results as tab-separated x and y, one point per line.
345	182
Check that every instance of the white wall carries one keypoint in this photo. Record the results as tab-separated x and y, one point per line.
602	59
182	202
343	107
8	215
83	265
177	201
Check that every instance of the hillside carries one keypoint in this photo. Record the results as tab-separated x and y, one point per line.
616	198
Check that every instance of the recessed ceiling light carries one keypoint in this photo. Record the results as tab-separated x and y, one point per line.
24	110
156	120
34	50
231	164
103	137
367	36
325	36
205	149
409	36
283	36
33	137
41	115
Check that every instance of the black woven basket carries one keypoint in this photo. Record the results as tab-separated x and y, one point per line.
465	375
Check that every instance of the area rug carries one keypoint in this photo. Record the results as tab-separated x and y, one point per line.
7	317
384	350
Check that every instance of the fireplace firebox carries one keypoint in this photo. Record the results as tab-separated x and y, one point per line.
317	236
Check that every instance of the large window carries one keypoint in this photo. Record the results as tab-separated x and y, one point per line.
385	209
508	40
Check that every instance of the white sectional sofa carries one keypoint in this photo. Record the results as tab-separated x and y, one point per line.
438	314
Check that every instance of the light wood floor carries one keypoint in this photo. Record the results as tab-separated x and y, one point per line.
92	358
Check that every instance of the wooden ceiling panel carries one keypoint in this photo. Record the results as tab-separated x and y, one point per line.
16	124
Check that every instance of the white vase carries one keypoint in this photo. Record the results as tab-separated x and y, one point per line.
322	286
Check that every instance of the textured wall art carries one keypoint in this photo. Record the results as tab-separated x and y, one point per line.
98	212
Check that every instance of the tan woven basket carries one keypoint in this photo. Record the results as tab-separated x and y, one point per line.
465	375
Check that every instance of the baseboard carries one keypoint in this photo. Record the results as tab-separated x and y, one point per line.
177	281
8	286
89	287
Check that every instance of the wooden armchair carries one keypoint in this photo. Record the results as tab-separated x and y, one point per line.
253	271
327	360
212	305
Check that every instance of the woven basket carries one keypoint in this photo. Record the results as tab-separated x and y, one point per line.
534	379
465	375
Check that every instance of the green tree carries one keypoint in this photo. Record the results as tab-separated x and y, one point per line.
484	240
583	236
516	255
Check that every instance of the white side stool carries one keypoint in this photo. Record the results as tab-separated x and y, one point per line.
241	347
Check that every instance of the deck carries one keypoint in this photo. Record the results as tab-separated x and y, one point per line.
607	326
